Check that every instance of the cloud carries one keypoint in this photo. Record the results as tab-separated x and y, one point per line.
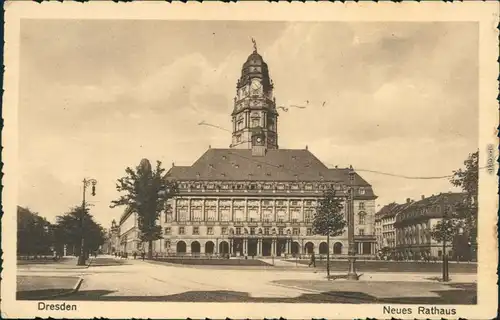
395	99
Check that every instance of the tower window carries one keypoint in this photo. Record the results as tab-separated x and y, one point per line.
255	122
238	138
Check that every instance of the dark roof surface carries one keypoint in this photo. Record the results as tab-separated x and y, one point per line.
275	165
402	210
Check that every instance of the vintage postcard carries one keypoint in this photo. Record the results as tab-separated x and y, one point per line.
250	160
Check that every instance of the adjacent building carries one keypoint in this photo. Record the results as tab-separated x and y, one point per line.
384	229
415	220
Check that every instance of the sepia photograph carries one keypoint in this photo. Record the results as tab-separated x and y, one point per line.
234	159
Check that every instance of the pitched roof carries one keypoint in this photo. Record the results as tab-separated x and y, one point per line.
402	211
387	210
275	165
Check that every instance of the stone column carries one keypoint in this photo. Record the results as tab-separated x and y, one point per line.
231	247
203	214
216	249
259	247
246	210
189	218
174	210
289	214
273	247
217	214
231	215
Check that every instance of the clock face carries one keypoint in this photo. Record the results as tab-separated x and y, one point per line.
259	139
256	86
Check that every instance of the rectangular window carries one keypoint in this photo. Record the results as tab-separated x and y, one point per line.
361	232
196	213
281	231
224	230
238	230
181	230
309	231
168	231
196	230
296	231
308	215
210	230
361	206
252	231
266	231
182	213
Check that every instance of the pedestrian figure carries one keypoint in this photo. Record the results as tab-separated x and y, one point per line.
313	260
135	255
143	254
156	256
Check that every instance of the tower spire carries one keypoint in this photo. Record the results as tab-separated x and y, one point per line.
254	45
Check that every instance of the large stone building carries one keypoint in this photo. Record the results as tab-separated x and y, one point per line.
129	233
253	198
384	229
415	220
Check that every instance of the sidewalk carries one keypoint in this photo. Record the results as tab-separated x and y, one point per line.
45	287
388	292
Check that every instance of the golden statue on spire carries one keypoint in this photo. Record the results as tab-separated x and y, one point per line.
254	45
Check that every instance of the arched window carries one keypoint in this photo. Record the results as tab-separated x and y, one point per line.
361	217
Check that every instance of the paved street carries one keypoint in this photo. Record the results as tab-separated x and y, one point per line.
115	279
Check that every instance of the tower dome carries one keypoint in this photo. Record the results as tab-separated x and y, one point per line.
255	67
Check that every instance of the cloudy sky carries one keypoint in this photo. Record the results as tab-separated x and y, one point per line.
98	96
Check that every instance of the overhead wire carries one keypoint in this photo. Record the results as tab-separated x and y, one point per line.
356	170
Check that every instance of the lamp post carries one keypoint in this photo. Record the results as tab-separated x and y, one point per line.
444	234
351	275
86	183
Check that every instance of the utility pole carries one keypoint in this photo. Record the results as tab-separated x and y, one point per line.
444	231
82	257
351	275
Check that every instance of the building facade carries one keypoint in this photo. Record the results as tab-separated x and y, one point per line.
128	233
385	231
255	199
416	219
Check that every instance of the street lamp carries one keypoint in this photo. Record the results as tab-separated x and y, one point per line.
86	183
351	275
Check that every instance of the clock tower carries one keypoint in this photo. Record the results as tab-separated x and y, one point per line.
254	118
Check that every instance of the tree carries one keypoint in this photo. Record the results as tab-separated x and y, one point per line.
34	233
146	193
444	230
329	220
466	212
68	230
